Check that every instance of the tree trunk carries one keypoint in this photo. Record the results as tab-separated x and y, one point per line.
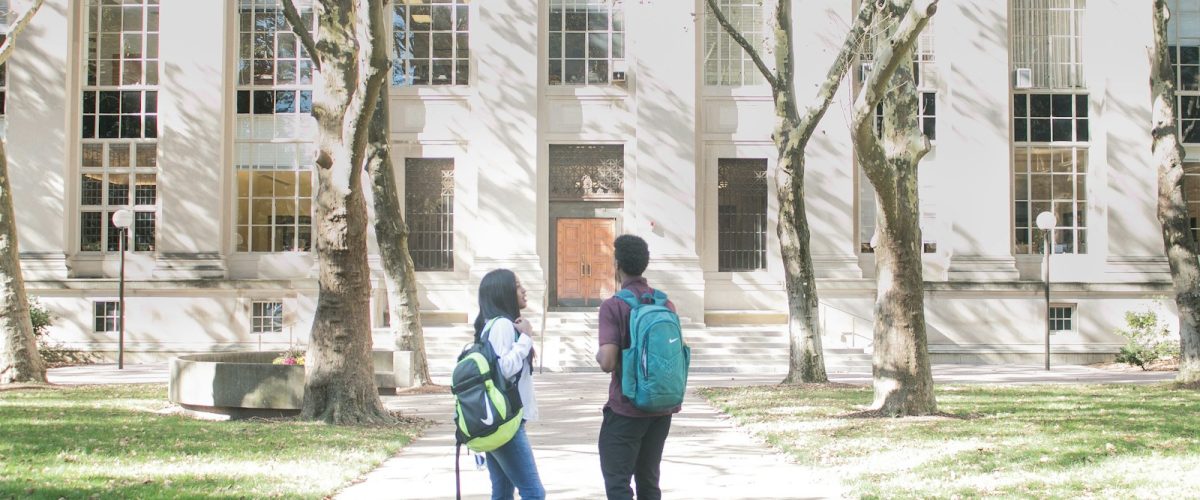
351	59
19	357
900	366
1172	208
806	360
392	233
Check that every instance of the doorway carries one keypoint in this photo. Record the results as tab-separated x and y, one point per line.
584	261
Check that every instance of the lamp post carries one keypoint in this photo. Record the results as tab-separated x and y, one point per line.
122	219
1046	222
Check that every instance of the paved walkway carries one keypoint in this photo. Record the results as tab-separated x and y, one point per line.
706	456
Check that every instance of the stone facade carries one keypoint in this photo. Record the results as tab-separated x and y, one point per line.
195	291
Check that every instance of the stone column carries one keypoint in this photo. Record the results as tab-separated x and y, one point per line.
193	83
971	48
662	194
829	166
1121	143
504	141
41	131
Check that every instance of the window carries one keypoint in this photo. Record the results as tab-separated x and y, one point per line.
266	317
725	62
1051	179
107	316
741	214
1047	41
1191	195
1050	133
429	210
1183	45
1050	125
1062	319
275	130
431	42
587	41
119	125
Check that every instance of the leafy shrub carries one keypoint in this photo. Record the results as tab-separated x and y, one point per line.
54	353
1147	339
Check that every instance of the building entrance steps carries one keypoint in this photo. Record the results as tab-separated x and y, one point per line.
570	341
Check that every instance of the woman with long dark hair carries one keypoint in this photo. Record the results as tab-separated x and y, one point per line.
501	298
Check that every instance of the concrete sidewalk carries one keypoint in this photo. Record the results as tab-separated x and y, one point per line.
705	456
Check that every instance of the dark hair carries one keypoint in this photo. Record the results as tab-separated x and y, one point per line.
497	298
632	254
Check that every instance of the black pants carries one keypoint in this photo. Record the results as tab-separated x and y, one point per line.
632	447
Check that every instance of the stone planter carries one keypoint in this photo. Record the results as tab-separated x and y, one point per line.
239	384
246	384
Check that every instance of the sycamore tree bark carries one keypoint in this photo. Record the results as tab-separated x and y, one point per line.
791	135
902	378
392	234
19	357
1172	208
350	57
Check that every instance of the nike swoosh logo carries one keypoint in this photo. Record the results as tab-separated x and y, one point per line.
488	419
672	341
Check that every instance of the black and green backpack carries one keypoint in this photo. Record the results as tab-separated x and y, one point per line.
487	407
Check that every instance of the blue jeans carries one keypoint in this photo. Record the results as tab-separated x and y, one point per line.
511	466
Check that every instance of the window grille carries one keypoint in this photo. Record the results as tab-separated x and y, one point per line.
1183	46
726	62
741	214
274	130
119	124
429	211
432	42
587	172
586	41
266	317
106	315
1047	39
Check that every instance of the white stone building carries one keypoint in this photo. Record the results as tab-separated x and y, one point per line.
529	133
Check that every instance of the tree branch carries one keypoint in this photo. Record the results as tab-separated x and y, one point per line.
733	32
6	48
815	110
887	60
301	31
374	63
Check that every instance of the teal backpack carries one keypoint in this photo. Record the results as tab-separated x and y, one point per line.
654	369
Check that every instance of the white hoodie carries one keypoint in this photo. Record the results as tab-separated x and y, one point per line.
514	356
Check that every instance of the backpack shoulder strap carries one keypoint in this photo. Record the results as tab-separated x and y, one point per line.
659	298
483	336
629	298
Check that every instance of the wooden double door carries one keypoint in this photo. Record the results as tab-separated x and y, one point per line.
586	274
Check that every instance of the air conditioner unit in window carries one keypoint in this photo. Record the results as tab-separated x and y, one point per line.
864	70
1023	78
618	73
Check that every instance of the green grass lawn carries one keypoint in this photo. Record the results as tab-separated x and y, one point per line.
124	442
1046	441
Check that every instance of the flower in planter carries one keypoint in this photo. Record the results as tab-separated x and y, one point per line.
293	356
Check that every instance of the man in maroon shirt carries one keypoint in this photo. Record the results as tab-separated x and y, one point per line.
631	440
